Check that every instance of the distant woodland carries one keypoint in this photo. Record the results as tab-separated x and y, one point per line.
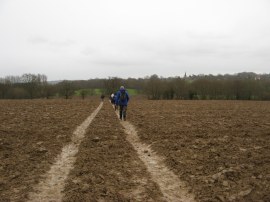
241	86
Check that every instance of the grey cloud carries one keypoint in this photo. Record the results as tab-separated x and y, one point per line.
67	42
89	51
116	62
263	53
87	38
164	52
207	36
38	40
42	40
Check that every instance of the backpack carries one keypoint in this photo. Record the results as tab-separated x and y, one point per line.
123	96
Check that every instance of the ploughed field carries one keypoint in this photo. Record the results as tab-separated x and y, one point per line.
32	134
108	167
221	149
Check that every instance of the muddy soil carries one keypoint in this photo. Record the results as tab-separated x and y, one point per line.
221	149
171	187
108	167
32	134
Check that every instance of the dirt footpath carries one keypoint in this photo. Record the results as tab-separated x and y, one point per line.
51	187
221	149
171	187
107	166
32	134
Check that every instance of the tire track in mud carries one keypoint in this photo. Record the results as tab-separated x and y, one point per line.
52	184
108	168
170	185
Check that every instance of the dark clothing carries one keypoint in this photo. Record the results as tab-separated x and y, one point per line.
112	101
102	97
123	112
114	98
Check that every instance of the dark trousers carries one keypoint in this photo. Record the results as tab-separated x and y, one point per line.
123	112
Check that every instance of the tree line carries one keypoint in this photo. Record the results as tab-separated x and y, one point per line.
31	86
241	86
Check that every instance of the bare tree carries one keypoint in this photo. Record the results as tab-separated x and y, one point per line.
153	87
66	89
180	88
48	90
4	87
112	84
31	82
83	93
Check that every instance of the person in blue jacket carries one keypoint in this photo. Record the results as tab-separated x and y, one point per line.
122	99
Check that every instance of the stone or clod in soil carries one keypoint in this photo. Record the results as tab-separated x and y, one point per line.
96	139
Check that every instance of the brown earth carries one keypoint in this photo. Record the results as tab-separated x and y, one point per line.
108	167
32	134
221	149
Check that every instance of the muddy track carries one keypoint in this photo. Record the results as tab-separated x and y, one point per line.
108	167
172	188
219	148
32	134
52	184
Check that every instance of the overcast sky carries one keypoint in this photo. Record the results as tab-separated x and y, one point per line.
82	39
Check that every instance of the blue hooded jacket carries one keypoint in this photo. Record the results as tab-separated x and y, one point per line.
119	101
